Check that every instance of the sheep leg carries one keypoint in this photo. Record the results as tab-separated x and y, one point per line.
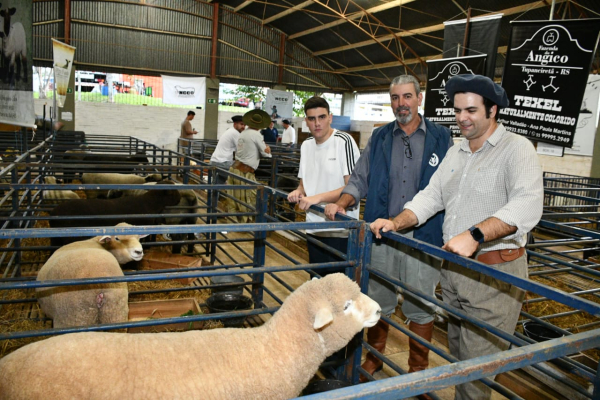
24	62
18	68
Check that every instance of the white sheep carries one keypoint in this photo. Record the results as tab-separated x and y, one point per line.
114	178
15	46
273	361
93	258
56	196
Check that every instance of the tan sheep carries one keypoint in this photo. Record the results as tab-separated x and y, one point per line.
273	361
93	258
116	179
56	196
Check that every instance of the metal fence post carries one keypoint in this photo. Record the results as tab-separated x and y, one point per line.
260	237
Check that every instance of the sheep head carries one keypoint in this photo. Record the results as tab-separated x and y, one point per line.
124	248
339	310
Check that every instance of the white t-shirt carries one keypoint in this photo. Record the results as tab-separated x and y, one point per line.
289	135
323	167
251	146
226	146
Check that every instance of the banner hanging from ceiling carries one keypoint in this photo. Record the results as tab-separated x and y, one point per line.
16	82
438	106
184	91
483	38
63	63
279	104
545	76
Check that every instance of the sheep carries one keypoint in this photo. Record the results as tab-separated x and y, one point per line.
189	200
132	209
93	258
99	161
273	361
113	178
56	196
15	47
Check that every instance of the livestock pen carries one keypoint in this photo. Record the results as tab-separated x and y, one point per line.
256	252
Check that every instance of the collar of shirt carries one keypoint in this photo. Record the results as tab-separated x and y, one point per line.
493	140
421	129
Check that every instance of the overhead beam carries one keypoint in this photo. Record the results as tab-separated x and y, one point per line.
410	61
244	4
432	28
287	12
353	16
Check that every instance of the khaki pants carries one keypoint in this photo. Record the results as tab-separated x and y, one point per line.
247	196
491	300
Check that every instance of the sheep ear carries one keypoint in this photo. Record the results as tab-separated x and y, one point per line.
323	317
105	239
314	278
143	236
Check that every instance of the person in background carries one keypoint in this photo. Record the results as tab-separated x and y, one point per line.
251	146
223	155
327	159
289	134
491	187
270	134
187	132
398	161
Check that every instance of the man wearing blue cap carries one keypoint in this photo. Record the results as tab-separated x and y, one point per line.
491	189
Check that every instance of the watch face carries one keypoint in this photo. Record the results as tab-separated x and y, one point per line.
477	234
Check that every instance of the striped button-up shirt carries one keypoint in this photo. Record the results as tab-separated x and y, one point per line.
502	179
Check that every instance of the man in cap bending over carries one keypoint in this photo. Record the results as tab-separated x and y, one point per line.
251	146
491	188
222	157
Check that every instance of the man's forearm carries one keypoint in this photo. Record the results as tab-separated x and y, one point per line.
493	228
345	201
405	219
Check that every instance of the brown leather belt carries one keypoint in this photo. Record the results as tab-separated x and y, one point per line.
500	256
240	166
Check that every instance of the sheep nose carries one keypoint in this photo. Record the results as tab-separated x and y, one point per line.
379	312
139	252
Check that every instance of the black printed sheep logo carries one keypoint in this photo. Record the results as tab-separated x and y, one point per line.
185	91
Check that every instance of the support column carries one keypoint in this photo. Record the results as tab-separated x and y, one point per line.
595	173
348	103
211	113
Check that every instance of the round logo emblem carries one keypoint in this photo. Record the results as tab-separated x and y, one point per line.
434	160
550	37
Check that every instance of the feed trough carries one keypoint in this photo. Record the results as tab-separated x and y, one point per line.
228	302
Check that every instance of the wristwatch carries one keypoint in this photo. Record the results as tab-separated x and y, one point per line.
477	234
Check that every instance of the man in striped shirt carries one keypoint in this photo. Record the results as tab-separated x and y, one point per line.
327	159
491	189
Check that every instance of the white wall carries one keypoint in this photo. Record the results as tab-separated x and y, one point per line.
161	126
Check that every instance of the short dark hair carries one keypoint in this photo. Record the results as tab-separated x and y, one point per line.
191	113
316	102
487	104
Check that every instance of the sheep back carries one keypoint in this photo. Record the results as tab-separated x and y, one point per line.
83	305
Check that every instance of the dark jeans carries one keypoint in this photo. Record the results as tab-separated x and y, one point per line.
317	254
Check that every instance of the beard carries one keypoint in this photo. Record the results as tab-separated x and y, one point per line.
403	119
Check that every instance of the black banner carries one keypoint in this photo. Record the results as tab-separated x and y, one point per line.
483	38
438	107
546	72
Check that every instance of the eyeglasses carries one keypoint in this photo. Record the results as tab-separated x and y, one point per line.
407	149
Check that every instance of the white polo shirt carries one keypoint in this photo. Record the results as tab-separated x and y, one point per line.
226	146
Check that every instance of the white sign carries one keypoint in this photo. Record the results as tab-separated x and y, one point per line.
583	142
279	104
184	91
63	62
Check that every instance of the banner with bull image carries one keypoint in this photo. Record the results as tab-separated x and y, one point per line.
438	107
545	75
184	91
16	94
63	62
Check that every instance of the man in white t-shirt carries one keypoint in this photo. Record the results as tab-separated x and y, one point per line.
327	159
222	157
289	133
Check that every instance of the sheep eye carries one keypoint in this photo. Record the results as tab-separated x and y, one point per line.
117	238
347	305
